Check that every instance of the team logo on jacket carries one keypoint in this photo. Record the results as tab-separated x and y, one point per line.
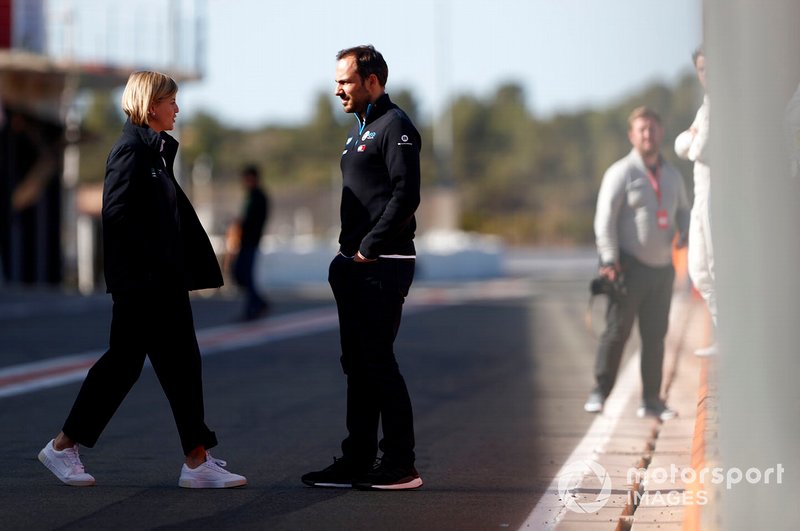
362	147
368	135
404	141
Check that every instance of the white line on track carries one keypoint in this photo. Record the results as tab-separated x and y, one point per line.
550	509
30	377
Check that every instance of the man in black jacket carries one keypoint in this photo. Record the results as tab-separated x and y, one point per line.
371	275
251	227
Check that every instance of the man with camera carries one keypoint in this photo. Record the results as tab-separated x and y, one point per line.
642	203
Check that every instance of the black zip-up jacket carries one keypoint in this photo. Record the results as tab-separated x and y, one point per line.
381	183
256	213
151	234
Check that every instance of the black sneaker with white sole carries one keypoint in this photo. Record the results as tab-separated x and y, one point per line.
339	475
388	477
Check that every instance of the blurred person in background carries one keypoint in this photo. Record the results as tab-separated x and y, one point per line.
641	205
156	251
691	145
371	275
244	239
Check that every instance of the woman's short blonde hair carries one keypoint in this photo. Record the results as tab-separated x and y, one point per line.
143	90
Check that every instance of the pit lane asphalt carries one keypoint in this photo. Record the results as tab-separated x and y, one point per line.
489	366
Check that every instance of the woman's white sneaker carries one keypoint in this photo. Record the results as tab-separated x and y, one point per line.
210	475
66	465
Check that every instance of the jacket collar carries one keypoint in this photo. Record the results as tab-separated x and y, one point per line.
375	110
152	139
638	161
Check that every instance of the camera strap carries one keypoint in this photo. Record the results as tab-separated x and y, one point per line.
587	318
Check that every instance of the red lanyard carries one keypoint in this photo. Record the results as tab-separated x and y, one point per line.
655	180
662	218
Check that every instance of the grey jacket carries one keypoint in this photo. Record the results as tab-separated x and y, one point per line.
625	220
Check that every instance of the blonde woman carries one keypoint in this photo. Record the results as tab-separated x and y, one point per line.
156	251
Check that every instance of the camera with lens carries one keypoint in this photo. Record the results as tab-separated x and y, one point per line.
602	285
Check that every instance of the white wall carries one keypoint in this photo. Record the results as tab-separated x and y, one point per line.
753	57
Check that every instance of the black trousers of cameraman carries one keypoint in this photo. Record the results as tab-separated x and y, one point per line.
648	297
369	297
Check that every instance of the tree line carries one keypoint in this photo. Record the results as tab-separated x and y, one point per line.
527	179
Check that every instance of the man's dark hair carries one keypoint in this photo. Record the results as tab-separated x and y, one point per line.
250	169
699	52
368	61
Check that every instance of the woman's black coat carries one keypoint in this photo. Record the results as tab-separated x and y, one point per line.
151	234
